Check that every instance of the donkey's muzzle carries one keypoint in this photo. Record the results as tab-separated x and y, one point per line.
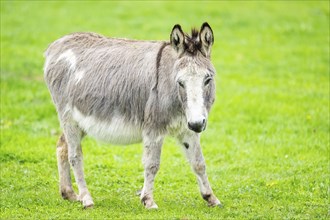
197	126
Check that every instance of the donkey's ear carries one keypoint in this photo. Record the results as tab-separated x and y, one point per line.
177	38
206	36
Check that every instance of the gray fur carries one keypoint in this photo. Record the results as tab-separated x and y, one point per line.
105	77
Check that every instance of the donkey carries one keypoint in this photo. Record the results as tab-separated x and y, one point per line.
128	91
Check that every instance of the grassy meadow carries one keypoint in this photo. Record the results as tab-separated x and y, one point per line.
267	141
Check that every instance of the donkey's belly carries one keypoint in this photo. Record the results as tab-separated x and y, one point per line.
115	131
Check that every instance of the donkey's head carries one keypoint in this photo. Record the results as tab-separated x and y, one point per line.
194	73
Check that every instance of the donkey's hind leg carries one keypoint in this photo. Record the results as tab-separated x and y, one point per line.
64	170
74	136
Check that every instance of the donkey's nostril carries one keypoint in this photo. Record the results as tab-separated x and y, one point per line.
197	126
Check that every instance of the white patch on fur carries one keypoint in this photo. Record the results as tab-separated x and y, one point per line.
67	109
69	56
194	80
78	76
116	131
195	101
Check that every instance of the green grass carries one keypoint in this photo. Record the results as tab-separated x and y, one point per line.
267	141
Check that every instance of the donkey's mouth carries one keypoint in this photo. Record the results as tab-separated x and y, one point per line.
197	131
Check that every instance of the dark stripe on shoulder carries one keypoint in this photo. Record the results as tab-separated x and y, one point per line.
159	54
158	59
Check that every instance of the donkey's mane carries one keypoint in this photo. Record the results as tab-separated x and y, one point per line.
192	42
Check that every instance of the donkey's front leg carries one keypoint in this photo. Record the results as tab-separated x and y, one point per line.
151	162
191	144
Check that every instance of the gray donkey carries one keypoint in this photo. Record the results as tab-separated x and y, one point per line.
127	91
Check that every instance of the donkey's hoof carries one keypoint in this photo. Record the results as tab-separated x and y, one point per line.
212	201
88	204
68	194
87	201
153	206
215	203
149	203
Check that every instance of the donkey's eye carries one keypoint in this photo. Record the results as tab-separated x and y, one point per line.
181	84
207	81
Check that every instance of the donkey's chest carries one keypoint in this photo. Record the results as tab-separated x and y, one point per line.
116	131
177	125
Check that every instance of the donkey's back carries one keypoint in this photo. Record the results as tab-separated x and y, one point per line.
90	61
